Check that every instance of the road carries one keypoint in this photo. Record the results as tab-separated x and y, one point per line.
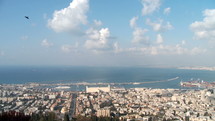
73	105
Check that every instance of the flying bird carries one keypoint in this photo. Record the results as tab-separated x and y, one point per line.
26	17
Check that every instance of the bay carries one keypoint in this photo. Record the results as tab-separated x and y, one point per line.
61	74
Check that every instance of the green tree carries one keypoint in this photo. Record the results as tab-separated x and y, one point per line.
35	117
42	118
206	114
66	117
51	116
198	115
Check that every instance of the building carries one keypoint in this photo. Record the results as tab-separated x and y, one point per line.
103	112
97	89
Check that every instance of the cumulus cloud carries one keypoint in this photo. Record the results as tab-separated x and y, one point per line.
97	39
159	39
159	25
149	6
139	36
138	33
167	10
205	29
46	43
70	18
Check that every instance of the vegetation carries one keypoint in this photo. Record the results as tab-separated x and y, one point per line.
51	116
95	118
14	116
66	117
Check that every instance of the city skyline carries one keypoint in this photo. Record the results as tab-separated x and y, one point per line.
159	33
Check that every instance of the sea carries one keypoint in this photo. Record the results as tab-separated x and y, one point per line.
74	74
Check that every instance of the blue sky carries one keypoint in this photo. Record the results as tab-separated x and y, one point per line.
157	33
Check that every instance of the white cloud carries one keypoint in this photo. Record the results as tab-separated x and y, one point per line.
139	36
70	18
183	42
98	39
67	48
205	29
133	22
153	51
138	33
97	23
166	50
45	43
196	51
159	39
159	25
149	6
116	48
167	10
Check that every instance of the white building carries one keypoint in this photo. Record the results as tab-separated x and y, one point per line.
103	112
52	96
98	89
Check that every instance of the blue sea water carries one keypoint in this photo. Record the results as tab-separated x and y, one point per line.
20	75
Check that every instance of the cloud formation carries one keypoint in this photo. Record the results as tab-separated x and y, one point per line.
97	39
167	10
139	36
149	6
70	18
116	47
205	29
133	22
45	43
66	48
166	50
159	26
138	33
159	39
97	23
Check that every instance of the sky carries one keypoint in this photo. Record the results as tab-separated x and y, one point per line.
151	33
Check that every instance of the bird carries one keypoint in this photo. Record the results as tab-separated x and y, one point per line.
26	17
